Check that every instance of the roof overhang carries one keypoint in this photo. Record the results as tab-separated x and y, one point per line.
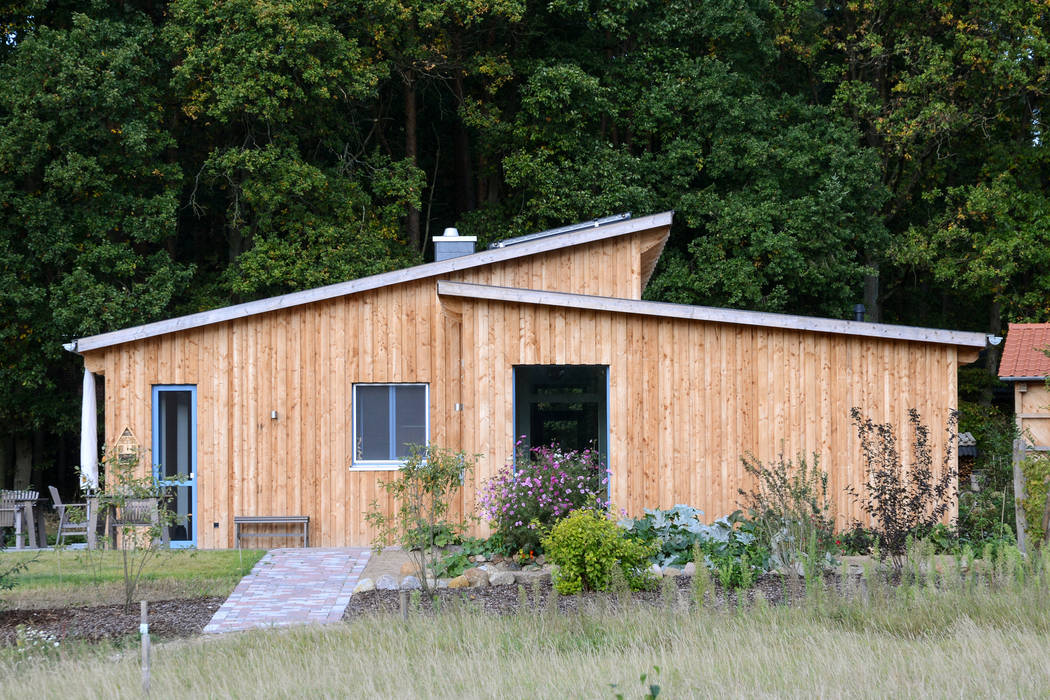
1022	379
883	331
597	232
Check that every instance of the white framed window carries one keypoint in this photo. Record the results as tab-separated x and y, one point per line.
387	419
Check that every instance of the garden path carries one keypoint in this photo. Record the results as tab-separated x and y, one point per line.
292	586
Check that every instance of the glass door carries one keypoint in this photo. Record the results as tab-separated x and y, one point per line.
175	456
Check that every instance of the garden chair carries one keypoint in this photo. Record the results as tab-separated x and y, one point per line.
9	511
136	512
66	526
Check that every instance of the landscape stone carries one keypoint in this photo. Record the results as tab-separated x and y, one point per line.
670	571
386	582
410	583
459	582
501	578
655	570
364	585
511	566
477	577
409	568
690	569
442	583
526	578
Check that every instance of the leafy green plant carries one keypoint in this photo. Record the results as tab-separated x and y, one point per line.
678	532
789	507
443	535
1036	472
451	565
899	498
587	545
422	493
652	689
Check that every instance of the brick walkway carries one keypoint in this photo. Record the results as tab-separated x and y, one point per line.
292	586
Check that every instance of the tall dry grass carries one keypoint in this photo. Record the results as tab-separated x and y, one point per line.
958	639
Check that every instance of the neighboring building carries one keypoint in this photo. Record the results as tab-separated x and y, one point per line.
1026	365
300	404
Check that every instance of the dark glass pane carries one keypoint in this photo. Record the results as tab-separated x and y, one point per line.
176	435
410	414
373	422
179	500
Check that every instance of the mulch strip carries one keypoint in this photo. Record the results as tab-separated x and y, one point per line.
507	600
167	619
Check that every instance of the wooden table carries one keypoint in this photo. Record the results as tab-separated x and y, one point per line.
29	511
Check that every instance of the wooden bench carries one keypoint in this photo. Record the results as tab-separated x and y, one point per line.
304	520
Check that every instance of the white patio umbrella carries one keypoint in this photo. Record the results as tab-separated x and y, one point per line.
89	434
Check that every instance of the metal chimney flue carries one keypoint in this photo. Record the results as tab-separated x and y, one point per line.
452	245
858	312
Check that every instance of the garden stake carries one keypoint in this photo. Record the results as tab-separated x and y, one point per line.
144	631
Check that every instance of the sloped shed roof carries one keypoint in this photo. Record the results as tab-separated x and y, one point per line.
1022	355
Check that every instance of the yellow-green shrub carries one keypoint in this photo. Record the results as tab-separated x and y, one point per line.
586	546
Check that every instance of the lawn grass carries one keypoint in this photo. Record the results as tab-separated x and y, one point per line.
59	578
977	639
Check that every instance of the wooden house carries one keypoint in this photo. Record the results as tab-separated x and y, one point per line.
299	404
1025	365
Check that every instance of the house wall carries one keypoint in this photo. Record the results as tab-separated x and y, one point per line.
1032	408
302	362
689	399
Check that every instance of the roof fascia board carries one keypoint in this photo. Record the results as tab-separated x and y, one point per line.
714	314
418	272
1022	379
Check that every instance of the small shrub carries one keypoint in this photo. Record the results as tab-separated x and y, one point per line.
138	544
902	499
587	545
422	493
789	507
545	484
985	514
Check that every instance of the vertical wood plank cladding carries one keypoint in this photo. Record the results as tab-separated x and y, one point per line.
758	390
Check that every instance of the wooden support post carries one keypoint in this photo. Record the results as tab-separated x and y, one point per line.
144	631
92	518
1022	536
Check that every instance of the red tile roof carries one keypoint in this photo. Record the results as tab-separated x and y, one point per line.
1022	356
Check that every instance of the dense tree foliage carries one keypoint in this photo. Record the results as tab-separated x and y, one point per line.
162	157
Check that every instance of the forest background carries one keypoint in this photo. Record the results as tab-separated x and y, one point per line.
162	158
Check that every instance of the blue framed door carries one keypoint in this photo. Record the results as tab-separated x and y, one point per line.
175	456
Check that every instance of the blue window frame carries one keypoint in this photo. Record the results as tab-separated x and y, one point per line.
387	419
175	456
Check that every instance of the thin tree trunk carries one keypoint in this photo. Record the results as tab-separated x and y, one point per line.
5	460
23	461
871	294
412	153
464	172
39	439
